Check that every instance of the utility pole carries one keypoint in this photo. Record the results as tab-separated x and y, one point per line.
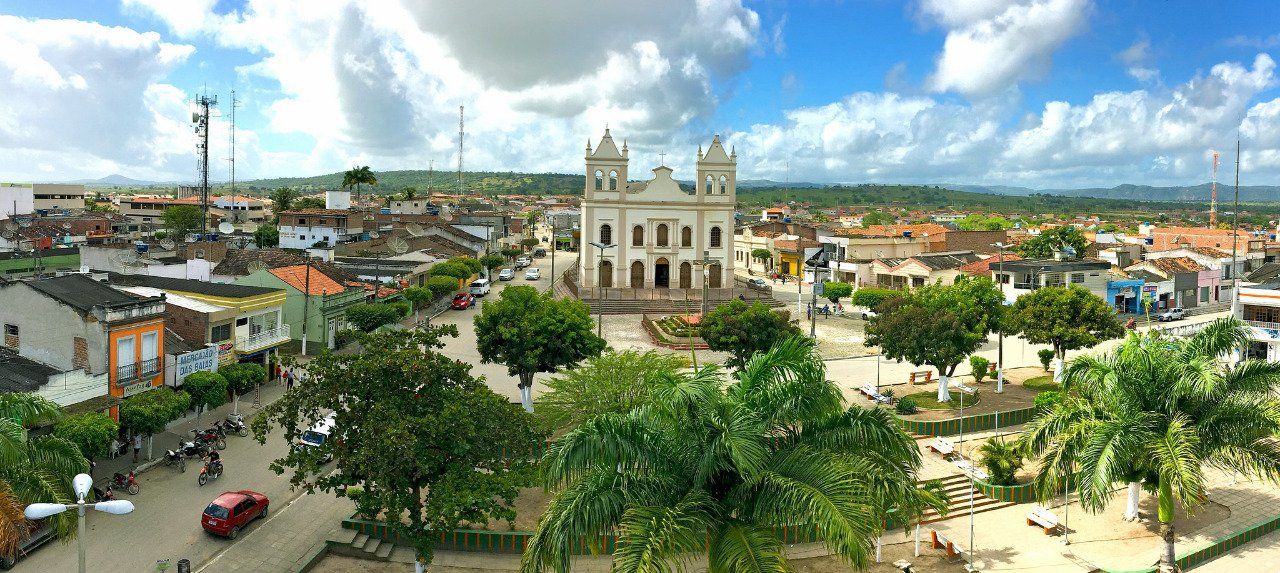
1000	346
813	315
232	160
200	117
306	302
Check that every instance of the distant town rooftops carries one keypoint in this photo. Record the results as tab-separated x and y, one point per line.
318	211
300	277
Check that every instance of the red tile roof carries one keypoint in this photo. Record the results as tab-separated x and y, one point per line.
983	268
296	277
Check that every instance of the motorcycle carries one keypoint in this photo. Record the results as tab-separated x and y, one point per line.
235	425
210	437
211	471
172	457
193	449
107	494
125	482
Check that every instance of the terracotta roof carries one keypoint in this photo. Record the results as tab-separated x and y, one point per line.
1209	252
896	230
1177	265
795	244
983	267
296	277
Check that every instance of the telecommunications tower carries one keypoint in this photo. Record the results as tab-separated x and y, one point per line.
200	117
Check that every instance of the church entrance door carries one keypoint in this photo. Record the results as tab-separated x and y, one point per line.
686	275
662	273
714	277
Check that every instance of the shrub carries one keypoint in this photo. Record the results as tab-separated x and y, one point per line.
980	366
1046	400
906	406
1046	356
1002	461
871	297
92	432
888	393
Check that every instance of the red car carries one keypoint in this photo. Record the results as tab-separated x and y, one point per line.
232	511
463	301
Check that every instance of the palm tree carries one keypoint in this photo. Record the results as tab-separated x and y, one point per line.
357	176
1152	413
409	193
13	526
34	470
717	466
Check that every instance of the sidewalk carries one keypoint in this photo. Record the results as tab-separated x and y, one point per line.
180	431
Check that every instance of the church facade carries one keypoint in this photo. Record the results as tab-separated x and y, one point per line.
659	236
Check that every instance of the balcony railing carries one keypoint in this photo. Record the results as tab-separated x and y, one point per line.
1263	325
263	339
150	367
126	373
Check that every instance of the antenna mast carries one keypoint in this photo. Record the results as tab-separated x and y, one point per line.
232	160
1213	194
460	134
200	117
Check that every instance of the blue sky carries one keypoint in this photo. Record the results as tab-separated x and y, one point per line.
1039	93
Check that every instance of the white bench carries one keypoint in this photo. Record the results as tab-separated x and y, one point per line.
940	541
871	394
943	446
967	389
968	468
1041	516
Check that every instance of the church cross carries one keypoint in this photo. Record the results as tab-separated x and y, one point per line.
663	157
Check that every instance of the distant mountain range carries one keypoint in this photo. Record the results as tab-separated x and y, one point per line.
511	182
1200	193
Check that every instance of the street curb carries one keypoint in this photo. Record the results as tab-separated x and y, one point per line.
313	558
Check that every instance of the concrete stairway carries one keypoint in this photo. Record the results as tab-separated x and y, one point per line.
660	306
957	489
348	542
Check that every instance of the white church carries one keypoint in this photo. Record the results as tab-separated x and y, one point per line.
661	236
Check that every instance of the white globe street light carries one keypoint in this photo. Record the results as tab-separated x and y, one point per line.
82	484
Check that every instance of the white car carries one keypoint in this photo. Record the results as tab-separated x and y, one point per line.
1175	313
532	274
506	274
868	314
523	261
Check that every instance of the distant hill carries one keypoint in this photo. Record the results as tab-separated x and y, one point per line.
1197	193
444	181
117	180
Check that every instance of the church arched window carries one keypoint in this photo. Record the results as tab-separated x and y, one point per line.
686	237
715	237
724	184
606	235
709	184
599	180
662	235
637	236
613	180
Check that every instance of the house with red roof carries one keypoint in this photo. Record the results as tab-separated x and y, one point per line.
316	302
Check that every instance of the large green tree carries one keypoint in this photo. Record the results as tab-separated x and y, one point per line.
491	262
148	413
718	465
1052	240
871	297
282	199
614	382
427	442
241	379
92	432
182	220
1155	412
743	329
1067	318
939	325
207	390
266	236
835	290
531	333
370	316
34	469
357	176
450	268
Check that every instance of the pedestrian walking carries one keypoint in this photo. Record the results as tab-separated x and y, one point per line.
137	446
288	380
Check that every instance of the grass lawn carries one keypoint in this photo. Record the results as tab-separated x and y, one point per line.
929	400
1041	383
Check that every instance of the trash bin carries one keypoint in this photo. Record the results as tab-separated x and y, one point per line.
184	566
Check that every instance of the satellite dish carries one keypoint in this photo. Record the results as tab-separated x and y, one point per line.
226	228
415	229
255	266
397	245
167	244
374	234
125	258
24	222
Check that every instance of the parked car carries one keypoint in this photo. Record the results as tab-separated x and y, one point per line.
539	252
1175	313
232	511
868	314
480	287
533	274
463	301
523	261
38	533
506	274
757	284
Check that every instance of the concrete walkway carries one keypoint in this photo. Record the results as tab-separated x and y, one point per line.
291	537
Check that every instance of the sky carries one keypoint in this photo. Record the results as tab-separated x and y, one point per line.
1034	93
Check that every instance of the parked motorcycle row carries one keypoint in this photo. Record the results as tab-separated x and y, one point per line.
202	443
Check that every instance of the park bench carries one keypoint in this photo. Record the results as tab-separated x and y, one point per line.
943	446
922	377
1041	516
941	542
967	389
971	470
872	394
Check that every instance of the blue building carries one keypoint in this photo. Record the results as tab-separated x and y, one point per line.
1125	295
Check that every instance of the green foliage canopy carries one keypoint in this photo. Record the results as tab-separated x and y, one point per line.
834	290
1068	318
613	382
207	389
183	220
368	317
92	432
937	324
1044	245
743	329
530	332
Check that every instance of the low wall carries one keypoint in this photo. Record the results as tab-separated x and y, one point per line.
976	423
485	541
1219	547
1021	493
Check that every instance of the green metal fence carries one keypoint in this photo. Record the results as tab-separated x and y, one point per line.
976	423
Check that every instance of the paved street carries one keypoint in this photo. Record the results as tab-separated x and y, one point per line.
165	523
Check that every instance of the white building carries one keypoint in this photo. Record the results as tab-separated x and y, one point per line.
1260	308
16	199
57	197
657	229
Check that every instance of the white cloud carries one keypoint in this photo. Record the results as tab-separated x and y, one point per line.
84	97
992	45
1137	59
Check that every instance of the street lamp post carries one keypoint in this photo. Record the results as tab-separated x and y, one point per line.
599	263
82	483
1000	332
813	304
